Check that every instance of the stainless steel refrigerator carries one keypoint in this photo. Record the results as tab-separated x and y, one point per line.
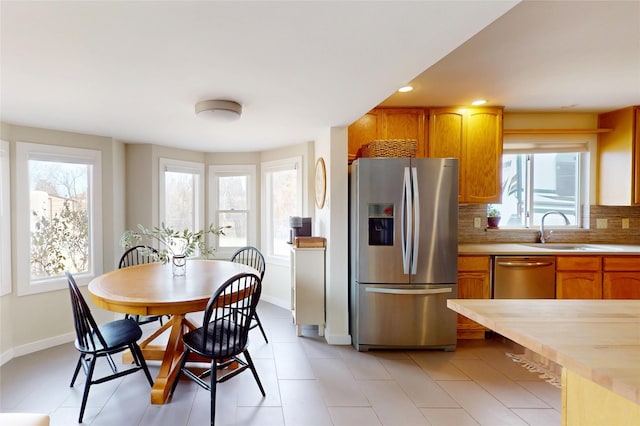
403	226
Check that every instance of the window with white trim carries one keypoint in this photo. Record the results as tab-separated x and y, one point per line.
5	221
541	177
59	223
233	199
282	192
181	194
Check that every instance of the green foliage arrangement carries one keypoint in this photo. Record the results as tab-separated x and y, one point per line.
492	211
173	242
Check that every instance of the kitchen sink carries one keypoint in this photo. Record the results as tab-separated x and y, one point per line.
572	247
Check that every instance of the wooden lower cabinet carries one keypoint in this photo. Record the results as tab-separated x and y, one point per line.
598	277
474	282
621	277
578	277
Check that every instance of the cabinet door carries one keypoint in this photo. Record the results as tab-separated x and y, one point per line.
621	285
472	285
578	285
362	131
446	136
404	123
616	173
636	160
482	154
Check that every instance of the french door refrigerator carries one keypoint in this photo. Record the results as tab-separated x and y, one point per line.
403	225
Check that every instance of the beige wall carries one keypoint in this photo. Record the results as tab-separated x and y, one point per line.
130	176
130	180
33	322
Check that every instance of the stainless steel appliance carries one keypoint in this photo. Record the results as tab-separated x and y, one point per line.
403	252
524	277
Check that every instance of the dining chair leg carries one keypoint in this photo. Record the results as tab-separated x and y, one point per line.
255	316
112	364
87	386
252	367
212	388
75	373
138	358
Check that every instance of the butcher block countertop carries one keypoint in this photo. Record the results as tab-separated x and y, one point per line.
597	339
548	249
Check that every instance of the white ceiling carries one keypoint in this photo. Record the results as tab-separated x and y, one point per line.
134	70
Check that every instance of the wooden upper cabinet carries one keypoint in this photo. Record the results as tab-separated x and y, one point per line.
389	123
362	131
618	181
404	123
474	136
446	132
482	153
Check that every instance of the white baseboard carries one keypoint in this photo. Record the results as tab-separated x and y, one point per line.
337	339
36	346
284	304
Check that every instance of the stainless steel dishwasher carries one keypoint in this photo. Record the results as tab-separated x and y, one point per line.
524	277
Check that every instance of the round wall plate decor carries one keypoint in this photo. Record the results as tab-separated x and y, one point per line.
321	183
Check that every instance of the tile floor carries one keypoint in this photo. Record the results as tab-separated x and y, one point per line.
307	383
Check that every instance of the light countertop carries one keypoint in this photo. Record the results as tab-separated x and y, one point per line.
597	339
549	249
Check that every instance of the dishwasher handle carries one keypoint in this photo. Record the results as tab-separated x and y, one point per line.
524	263
427	291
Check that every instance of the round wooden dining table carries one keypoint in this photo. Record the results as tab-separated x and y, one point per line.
152	289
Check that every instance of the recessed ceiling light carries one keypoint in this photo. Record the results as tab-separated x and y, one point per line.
479	102
405	89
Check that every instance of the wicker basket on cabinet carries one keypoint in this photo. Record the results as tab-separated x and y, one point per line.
390	148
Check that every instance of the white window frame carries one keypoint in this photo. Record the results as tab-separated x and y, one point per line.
266	168
539	144
180	166
248	170
5	219
24	152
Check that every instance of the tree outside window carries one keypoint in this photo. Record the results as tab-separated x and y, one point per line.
59	218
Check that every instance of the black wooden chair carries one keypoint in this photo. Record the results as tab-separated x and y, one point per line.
224	335
139	255
251	256
93	342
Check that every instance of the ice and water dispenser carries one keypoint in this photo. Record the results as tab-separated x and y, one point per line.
381	218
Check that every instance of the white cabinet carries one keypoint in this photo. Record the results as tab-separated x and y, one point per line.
307	287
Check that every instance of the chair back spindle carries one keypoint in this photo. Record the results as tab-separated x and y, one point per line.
228	313
87	332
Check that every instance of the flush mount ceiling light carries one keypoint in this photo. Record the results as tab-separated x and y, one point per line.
479	102
405	89
218	109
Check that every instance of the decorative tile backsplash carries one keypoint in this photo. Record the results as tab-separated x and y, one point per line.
613	234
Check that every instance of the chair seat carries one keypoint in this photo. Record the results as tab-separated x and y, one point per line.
226	343
116	334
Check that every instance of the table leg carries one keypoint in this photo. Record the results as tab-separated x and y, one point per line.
170	361
169	355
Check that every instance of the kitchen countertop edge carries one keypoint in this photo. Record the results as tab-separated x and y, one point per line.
526	249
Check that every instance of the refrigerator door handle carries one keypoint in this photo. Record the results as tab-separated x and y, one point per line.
416	222
427	291
407	221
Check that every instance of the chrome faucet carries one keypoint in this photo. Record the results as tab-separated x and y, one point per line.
546	235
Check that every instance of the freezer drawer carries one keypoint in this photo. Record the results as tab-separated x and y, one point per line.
405	316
